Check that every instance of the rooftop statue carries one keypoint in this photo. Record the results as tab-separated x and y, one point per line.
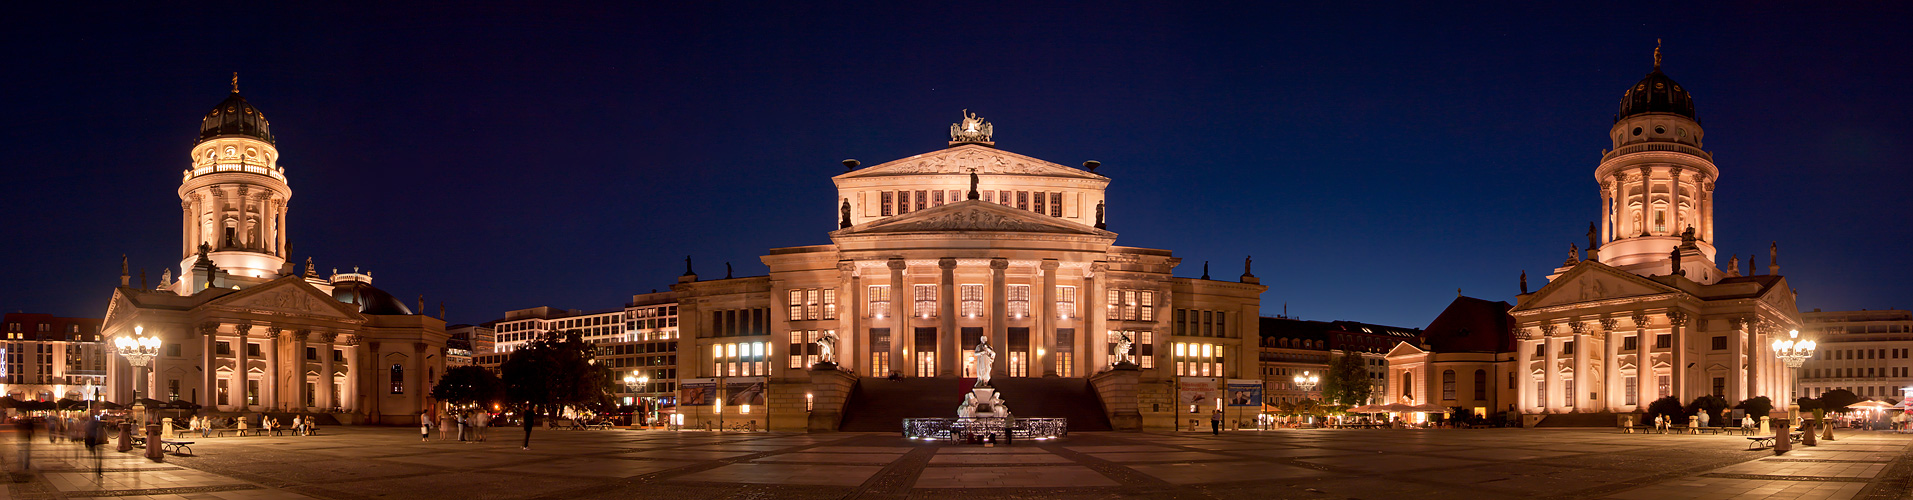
972	129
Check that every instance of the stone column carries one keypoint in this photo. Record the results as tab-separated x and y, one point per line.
947	364
1677	319
279	229
1583	376
241	364
209	376
326	383
153	368
1740	375
1047	320
851	339
1611	366
1674	199
242	234
999	313
354	376
1643	362
186	226
299	338
1550	369
899	331
1095	337
417	384
1777	382
1523	375
371	392
1647	200
269	391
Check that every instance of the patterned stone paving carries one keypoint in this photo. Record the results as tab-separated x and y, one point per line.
389	463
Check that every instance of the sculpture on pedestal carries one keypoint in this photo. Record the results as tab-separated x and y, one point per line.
985	359
827	348
1123	346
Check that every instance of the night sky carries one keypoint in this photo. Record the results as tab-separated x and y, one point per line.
1372	158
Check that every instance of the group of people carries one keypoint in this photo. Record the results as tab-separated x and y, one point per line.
75	428
301	425
470	425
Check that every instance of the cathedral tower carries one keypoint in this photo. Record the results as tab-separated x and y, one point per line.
1657	183
233	195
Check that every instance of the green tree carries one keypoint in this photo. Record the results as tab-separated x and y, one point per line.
1669	406
468	385
1712	405
553	372
1347	382
1758	407
1833	401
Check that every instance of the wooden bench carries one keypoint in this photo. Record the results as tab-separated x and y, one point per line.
1645	429
1707	430
566	424
597	425
175	447
1757	442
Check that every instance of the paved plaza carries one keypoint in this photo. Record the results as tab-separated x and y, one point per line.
391	463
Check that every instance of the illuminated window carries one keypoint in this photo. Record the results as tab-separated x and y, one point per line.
830	303
1019	301
1066	302
879	300
926	301
398	381
972	296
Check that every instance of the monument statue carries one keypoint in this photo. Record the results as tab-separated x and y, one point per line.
1676	256
1524	282
1592	234
1099	216
827	347
974	194
1248	264
1123	345
985	359
843	214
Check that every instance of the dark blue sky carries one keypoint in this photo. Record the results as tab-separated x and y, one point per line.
1372	157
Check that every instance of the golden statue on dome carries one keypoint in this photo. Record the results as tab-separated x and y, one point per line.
972	130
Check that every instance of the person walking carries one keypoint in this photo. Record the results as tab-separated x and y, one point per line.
481	425
424	426
461	427
1215	422
531	419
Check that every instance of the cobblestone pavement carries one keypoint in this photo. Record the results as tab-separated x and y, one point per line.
391	463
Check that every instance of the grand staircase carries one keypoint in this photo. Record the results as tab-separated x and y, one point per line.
880	405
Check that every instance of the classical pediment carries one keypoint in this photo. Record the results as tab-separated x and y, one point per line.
1592	281
972	215
1780	296
290	296
1404	349
967	158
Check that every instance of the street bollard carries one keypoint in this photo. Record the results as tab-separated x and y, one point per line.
152	444
126	437
1782	438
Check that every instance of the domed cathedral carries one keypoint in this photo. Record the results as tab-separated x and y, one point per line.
1647	313
241	331
938	253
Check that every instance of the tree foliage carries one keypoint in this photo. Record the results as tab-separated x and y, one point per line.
1669	406
1758	407
1837	400
1347	382
466	385
554	371
1712	405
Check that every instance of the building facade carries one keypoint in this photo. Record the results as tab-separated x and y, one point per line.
937	253
44	358
1650	313
1867	352
1291	347
240	329
1464	360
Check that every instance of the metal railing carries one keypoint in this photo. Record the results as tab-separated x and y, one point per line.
966	428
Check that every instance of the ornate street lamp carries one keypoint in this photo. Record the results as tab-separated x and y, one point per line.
139	350
1793	351
1306	382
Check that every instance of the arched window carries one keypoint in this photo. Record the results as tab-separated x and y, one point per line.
398	379
1448	385
1408	385
1481	385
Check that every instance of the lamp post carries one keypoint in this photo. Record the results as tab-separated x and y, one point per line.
645	382
138	350
1793	351
1306	382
